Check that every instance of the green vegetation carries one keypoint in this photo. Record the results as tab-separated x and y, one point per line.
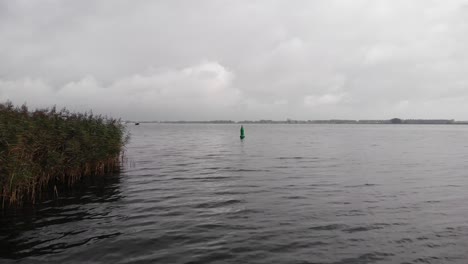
396	121
43	149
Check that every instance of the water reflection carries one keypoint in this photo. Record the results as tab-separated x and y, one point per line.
45	228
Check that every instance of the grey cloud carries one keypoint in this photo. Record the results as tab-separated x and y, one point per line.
248	59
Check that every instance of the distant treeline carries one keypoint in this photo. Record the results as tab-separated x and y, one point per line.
44	149
330	121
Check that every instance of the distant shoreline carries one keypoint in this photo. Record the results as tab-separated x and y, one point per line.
394	121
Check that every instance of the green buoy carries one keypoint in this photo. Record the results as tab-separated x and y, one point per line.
242	135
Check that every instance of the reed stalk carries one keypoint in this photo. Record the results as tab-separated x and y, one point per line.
46	148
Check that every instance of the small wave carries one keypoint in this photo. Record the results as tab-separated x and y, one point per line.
212	178
214	168
144	169
365	228
200	178
185	164
432	245
356	240
212	155
366	258
216	204
362	185
340	202
297	245
180	170
211	226
404	241
425	260
60	246
370	201
294	197
207	173
244	170
230	192
432	201
171	213
242	213
329	227
290	158
351	213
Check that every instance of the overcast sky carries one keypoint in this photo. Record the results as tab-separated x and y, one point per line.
223	59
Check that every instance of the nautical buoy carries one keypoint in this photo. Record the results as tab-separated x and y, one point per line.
242	134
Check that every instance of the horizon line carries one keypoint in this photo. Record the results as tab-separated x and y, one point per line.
287	121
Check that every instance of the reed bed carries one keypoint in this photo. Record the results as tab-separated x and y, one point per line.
44	149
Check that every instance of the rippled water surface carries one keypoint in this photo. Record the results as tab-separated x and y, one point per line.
286	194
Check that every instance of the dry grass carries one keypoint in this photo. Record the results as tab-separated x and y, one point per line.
43	149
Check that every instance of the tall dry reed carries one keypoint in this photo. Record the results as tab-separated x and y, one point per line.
46	148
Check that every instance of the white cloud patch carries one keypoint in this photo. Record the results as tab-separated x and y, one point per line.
197	90
325	99
380	53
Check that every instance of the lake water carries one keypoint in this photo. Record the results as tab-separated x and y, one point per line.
286	194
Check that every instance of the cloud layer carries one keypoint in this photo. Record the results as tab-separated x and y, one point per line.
192	60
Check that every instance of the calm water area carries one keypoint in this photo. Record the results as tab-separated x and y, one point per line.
196	193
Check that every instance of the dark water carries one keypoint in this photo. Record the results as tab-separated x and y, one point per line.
286	194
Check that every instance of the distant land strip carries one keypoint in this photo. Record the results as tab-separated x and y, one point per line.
329	121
